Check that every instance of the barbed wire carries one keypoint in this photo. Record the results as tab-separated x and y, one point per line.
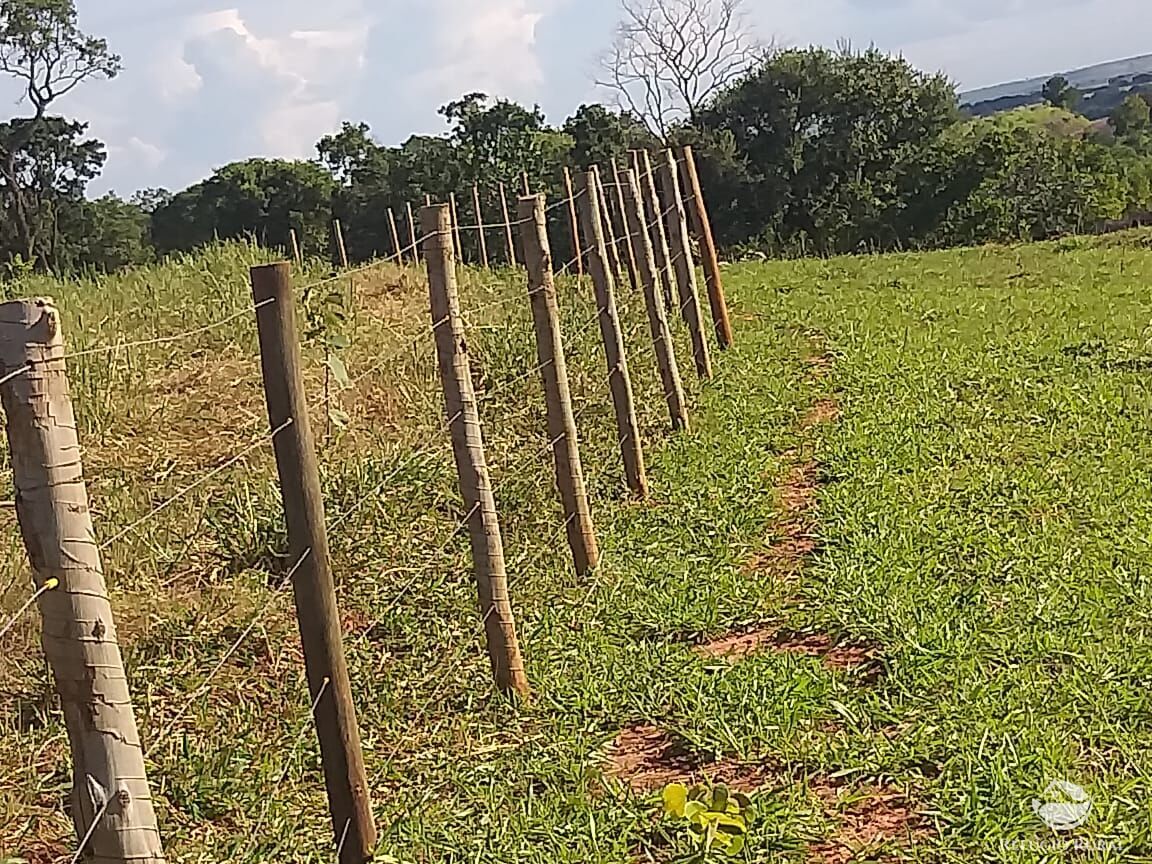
49	585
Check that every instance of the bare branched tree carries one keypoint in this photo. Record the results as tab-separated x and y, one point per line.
672	56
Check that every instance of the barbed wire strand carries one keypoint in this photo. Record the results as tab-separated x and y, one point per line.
49	585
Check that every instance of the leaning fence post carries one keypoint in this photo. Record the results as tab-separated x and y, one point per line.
619	381
468	448
507	227
627	239
703	229
657	318
412	248
681	252
554	372
395	237
459	250
313	584
479	226
341	249
110	801
577	252
659	236
295	247
607	230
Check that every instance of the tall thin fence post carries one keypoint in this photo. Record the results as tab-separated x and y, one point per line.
313	585
657	318
681	253
479	225
703	229
111	803
574	222
619	381
296	256
341	249
468	447
507	226
526	186
628	240
557	395
396	248
613	260
412	248
459	250
659	234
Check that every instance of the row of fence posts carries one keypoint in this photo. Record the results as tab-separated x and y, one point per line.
111	803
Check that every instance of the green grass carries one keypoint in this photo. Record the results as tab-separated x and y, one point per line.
984	520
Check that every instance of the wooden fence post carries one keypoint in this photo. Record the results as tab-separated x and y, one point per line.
619	381
456	227
395	237
557	395
313	585
110	801
479	226
341	249
681	252
657	318
703	229
524	181
575	223
468	447
413	250
613	260
507	226
295	247
659	234
628	240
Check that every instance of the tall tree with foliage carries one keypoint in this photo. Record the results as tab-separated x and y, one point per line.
1059	93
43	48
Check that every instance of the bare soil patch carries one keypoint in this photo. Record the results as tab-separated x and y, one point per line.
868	821
648	758
850	657
824	411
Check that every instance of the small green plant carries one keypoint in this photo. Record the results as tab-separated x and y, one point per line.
326	316
714	819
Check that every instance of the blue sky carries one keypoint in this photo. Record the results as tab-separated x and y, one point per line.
209	81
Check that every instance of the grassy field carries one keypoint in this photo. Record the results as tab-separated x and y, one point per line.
896	579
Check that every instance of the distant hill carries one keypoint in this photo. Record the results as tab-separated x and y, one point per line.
1103	87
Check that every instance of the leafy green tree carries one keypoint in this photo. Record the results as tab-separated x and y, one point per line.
43	48
600	135
1132	121
49	167
109	234
259	198
1058	93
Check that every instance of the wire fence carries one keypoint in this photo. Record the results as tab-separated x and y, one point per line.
528	465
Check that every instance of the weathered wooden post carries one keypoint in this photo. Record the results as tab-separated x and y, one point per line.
313	585
613	260
628	239
341	249
574	222
479	226
468	447
659	235
459	250
703	228
657	318
557	395
619	381
527	188
399	253
681	252
295	247
413	248
110	801
507	227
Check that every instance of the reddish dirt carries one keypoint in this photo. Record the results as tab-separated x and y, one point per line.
840	657
824	411
873	818
648	758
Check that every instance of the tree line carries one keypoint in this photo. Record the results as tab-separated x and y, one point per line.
802	152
